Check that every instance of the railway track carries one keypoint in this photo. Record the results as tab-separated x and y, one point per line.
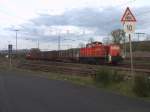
122	65
70	70
74	68
137	66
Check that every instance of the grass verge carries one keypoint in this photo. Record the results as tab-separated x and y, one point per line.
108	80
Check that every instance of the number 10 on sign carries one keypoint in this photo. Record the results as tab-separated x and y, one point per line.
129	27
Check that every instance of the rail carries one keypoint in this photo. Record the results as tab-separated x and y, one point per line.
74	68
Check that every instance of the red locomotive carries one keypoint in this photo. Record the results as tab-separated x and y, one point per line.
95	53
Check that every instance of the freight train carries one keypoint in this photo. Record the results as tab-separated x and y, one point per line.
93	53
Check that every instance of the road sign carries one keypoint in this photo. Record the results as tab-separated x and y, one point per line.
128	21
128	16
9	48
129	27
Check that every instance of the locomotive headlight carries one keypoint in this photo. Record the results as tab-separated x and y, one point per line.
109	58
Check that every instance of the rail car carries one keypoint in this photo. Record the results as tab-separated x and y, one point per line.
94	53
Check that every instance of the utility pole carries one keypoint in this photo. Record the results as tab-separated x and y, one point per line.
138	34
58	33
38	44
59	42
16	40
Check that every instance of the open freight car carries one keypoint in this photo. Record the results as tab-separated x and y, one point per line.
70	55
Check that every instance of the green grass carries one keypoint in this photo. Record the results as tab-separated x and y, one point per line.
123	87
79	80
83	81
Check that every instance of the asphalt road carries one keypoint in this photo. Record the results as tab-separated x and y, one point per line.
20	92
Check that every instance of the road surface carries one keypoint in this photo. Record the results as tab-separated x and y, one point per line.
21	92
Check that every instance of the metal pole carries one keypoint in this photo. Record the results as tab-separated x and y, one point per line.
10	55
131	55
125	47
138	34
10	60
38	44
59	42
138	37
16	40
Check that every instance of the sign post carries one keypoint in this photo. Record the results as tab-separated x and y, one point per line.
129	21
10	54
131	56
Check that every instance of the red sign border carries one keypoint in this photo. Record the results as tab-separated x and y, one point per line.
122	19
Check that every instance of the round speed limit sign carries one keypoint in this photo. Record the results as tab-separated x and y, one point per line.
129	27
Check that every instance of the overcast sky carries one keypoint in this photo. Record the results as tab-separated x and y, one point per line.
74	20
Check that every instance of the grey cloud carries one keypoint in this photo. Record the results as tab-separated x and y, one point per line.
142	15
48	20
103	21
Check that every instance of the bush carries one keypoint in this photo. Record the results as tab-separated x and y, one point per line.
141	85
105	76
116	77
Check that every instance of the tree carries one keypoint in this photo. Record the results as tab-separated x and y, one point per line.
118	36
106	40
35	50
91	40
